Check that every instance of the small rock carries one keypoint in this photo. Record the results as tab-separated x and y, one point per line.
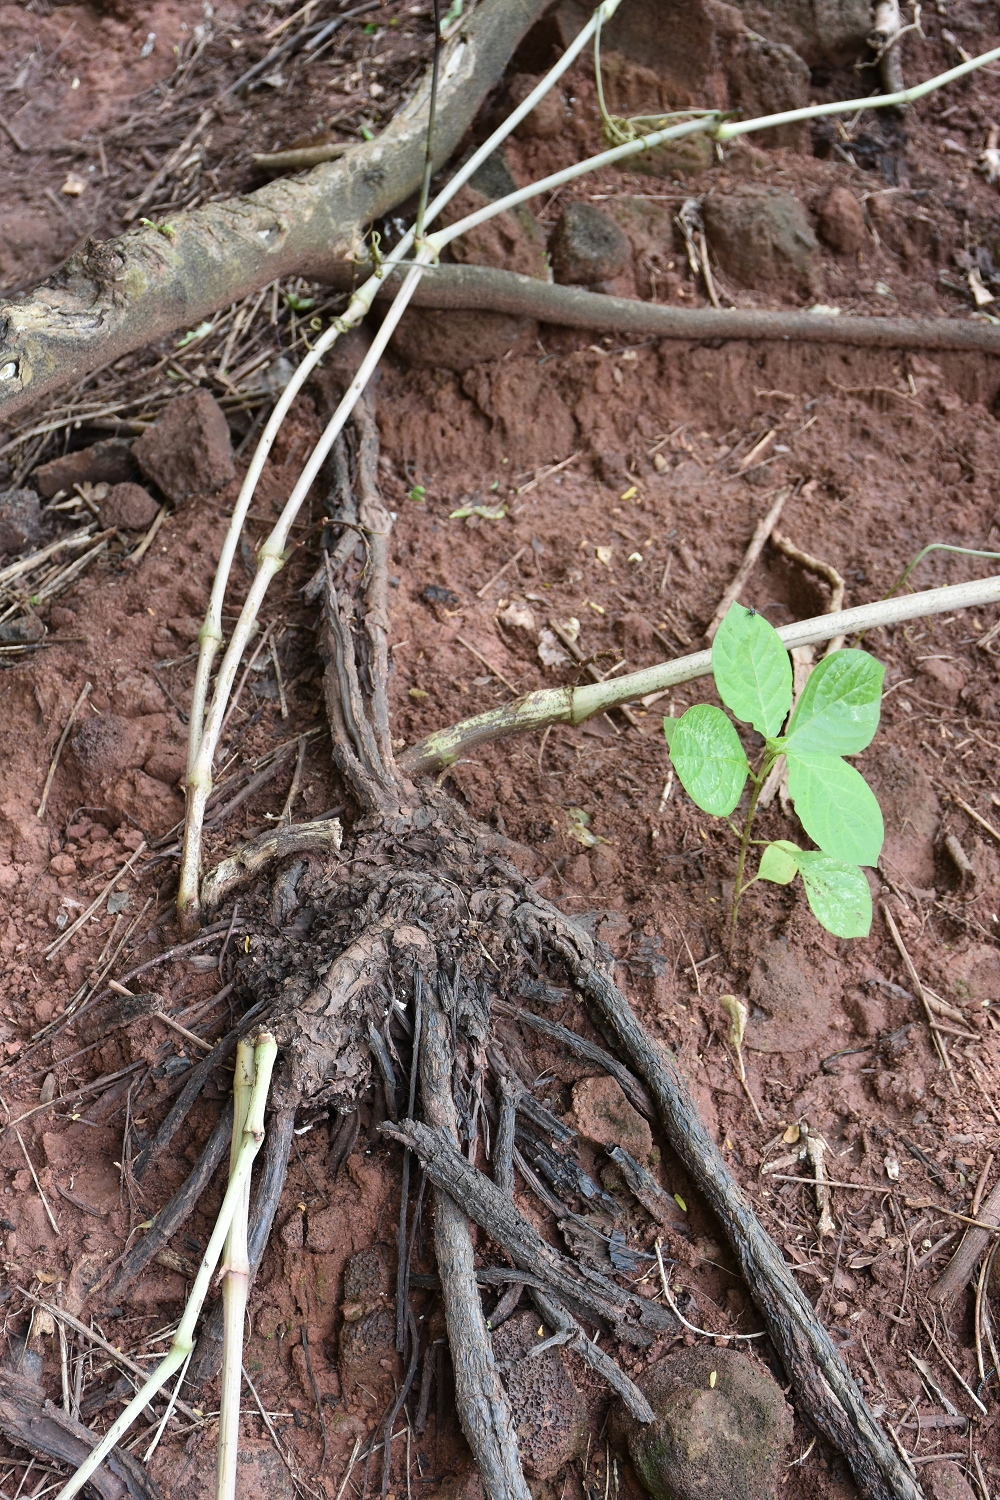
791	994
368	1334
759	238
128	506
603	1115
842	221
945	1481
721	1427
824	33
20	520
458	338
687	157
588	246
767	78
548	1410
107	462
548	116
188	451
911	812
941	681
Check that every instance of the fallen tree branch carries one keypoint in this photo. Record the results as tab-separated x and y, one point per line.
569	705
491	290
120	295
824	1387
958	1272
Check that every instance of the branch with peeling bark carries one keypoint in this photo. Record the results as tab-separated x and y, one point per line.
120	295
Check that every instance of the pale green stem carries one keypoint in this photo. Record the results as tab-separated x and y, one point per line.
235	1287
565	705
425	186
877	101
738	886
210	638
265	1053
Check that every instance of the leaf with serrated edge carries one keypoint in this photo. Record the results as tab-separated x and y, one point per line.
838	894
779	863
709	759
836	807
752	671
838	712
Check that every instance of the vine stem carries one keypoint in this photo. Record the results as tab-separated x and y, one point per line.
569	705
235	1286
738	888
199	756
265	1052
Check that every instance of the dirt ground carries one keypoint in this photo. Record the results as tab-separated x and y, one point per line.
667	456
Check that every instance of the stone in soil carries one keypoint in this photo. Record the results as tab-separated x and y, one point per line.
368	1336
842	221
549	1412
767	78
20	520
588	246
603	1115
128	506
830	32
945	1481
792	993
188	451
548	116
107	462
458	338
911	813
721	1427
759	236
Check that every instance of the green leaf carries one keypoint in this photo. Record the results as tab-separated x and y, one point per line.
709	759
838	894
669	725
752	671
836	807
839	709
779	863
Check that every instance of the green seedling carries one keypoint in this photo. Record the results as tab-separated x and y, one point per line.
297	303
837	715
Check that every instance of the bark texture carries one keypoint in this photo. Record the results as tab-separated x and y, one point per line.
121	294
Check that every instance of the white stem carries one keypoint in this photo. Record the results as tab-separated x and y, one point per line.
235	1286
264	1056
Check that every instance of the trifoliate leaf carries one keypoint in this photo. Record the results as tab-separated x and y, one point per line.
838	712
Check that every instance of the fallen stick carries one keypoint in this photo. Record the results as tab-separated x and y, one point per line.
761	532
53	767
824	1387
118	296
958	1272
569	705
490	290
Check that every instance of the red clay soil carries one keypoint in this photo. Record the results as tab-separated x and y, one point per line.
635	538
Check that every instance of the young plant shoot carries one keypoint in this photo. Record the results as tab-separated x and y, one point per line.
836	715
